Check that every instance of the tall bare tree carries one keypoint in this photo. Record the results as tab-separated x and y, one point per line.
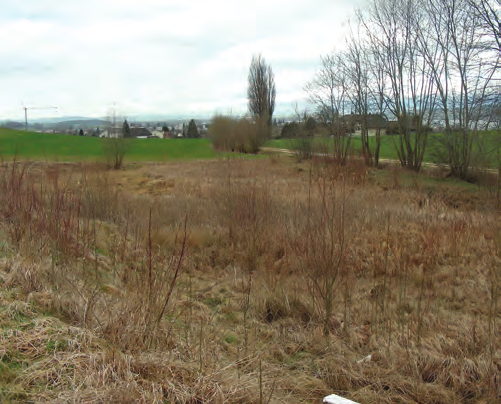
489	12
419	63
365	86
410	98
369	77
328	93
261	91
467	65
358	91
116	145
377	90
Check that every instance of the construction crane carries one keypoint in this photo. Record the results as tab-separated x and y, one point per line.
26	113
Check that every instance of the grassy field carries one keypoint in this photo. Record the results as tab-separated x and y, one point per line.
53	147
246	281
388	150
387	147
41	146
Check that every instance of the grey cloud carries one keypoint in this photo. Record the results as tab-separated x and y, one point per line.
159	55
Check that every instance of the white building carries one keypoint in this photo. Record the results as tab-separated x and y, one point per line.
158	133
112	132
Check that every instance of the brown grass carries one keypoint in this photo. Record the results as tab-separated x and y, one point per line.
285	278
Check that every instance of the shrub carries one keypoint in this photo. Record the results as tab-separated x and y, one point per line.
221	132
302	147
310	124
238	135
115	149
290	130
301	139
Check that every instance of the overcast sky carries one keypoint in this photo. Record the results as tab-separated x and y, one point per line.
168	57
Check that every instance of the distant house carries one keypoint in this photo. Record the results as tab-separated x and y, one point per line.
374	121
112	132
157	133
167	135
353	123
412	123
140	133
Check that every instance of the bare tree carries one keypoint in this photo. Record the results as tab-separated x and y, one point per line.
328	93
411	93
362	92
302	140
420	63
324	240
377	90
116	145
261	91
358	91
463	75
489	12
370	83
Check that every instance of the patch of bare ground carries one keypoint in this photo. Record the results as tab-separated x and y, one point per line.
246	281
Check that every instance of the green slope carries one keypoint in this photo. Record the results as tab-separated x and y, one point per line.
40	146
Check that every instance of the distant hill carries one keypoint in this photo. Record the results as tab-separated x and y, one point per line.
79	123
83	123
62	119
12	124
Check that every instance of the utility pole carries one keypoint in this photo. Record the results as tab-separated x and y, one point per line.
26	114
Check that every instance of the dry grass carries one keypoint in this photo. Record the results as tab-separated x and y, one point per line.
286	276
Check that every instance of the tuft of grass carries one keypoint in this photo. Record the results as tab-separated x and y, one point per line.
231	339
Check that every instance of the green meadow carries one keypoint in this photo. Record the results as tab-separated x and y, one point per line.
40	146
22	145
487	155
387	151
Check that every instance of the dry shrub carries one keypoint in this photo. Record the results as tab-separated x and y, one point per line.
114	150
276	309
352	170
238	135
302	146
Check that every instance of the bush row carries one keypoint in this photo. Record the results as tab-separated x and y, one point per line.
238	135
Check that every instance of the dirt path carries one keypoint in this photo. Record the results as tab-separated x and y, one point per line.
391	161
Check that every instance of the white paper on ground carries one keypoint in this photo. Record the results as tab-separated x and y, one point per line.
333	399
366	359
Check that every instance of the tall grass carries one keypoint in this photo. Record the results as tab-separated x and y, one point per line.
250	280
49	220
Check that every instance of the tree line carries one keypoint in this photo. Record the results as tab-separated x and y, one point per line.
422	64
417	64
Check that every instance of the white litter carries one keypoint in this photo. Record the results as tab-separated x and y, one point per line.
333	399
366	359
